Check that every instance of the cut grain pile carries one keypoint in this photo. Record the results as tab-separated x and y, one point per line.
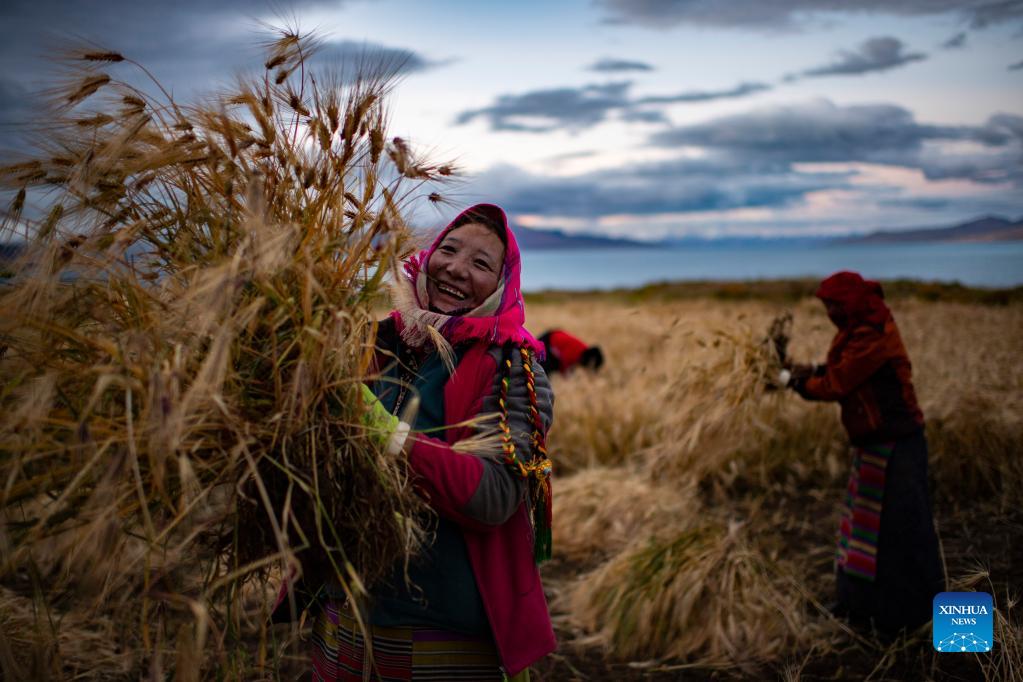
598	512
180	353
704	595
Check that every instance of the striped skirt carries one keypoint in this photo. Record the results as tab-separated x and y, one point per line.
339	652
860	528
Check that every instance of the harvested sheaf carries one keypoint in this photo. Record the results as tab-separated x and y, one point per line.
182	347
598	512
703	596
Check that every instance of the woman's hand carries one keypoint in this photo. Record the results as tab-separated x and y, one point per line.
391	431
801	371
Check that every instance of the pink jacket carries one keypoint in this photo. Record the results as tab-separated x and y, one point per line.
501	550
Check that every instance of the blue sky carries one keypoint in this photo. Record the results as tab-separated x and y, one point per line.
641	118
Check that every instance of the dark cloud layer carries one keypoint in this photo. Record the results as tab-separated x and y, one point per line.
371	59
880	133
618	66
1016	67
761	159
760	14
876	54
655	188
189	45
583	107
551	109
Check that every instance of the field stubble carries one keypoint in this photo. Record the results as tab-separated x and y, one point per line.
695	511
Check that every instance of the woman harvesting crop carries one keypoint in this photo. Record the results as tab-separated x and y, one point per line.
888	568
456	340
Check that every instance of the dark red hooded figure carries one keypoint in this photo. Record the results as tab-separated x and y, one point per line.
887	563
868	371
852	300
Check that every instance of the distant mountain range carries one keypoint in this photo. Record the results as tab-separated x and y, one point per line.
985	229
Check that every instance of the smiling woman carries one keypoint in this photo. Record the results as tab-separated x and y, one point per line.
471	606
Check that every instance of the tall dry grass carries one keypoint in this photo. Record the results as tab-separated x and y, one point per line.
684	392
678	429
181	351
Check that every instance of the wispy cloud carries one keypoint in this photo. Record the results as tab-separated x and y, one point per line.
368	60
608	65
876	54
788	14
955	42
540	111
741	90
1016	67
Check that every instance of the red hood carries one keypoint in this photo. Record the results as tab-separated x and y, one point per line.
861	300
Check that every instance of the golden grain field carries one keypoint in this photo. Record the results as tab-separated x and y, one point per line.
695	511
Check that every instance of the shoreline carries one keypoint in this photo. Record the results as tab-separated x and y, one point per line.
781	290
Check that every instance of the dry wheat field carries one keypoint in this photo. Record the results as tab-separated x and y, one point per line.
695	511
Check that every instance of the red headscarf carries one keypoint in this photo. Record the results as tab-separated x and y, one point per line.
495	321
861	300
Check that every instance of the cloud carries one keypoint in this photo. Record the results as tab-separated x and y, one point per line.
1002	162
926	203
741	90
679	186
15	102
955	42
789	14
546	110
1016	67
370	60
191	46
608	65
568	108
885	134
875	54
822	131
779	164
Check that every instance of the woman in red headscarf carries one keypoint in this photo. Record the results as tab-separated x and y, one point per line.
472	605
888	566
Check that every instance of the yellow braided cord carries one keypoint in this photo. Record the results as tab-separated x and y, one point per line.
507	444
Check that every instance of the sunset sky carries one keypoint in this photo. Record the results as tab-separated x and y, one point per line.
639	118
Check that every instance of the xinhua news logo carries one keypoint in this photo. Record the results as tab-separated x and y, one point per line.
963	622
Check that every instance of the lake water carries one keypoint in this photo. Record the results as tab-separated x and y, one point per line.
976	264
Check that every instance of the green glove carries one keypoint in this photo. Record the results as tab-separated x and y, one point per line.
390	430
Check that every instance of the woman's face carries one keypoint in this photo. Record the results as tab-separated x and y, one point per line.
836	312
464	269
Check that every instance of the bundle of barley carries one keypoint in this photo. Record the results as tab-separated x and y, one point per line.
599	511
718	404
182	348
705	596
